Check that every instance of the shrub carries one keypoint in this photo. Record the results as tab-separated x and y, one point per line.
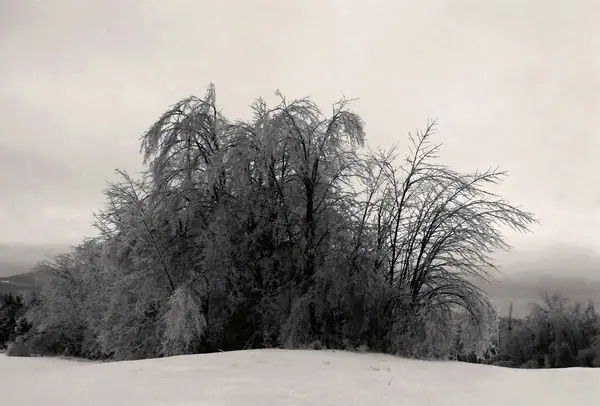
531	364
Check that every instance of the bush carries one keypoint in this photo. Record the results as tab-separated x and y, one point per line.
531	364
586	358
564	355
21	347
507	364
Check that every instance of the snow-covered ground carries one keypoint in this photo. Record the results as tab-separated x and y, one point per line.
280	378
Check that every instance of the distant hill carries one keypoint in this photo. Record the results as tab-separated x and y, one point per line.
19	284
17	259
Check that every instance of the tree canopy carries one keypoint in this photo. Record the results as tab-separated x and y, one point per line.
282	230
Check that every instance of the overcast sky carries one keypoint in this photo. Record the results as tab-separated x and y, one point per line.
514	83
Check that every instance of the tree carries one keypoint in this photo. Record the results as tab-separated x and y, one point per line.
61	315
283	230
557	333
435	231
11	310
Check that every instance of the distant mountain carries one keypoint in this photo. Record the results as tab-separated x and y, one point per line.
19	284
17	259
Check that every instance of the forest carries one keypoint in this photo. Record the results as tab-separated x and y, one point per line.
289	230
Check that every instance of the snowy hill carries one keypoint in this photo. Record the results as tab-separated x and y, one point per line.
280	378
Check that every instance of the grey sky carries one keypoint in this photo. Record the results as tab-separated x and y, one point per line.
514	83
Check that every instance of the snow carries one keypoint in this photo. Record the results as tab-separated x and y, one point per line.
281	378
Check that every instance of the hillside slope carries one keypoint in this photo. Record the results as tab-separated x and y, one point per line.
20	284
280	378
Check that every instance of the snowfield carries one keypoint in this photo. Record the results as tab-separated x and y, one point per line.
280	378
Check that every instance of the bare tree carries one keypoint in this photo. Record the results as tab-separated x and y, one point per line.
436	230
282	229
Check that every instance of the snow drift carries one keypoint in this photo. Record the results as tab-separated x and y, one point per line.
280	378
